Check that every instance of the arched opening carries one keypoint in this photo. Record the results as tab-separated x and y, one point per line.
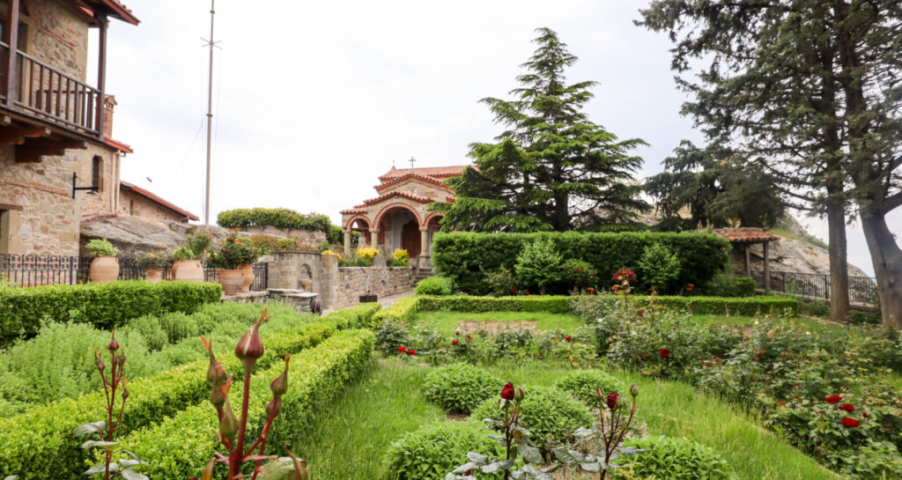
399	228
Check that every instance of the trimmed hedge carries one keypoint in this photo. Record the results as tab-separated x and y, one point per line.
467	257
36	444
360	316
404	309
104	305
745	306
180	446
534	303
274	217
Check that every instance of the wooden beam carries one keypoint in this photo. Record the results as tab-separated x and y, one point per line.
50	144
101	17
26	132
9	140
12	39
748	261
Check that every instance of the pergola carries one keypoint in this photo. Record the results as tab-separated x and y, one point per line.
746	237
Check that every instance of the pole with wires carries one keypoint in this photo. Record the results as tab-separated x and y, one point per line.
212	43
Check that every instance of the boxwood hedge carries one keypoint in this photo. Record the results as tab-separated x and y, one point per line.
360	316
103	305
745	306
36	444
274	217
404	309
464	257
535	303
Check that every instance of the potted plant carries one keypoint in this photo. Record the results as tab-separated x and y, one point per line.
186	266
252	252
105	267
227	261
153	266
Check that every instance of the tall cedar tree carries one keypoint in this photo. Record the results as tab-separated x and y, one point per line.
717	186
552	169
810	88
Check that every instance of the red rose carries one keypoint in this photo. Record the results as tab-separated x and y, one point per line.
865	415
579	270
411	352
568	338
847	407
641	313
527	293
507	392
834	399
770	339
469	337
513	290
402	349
457	333
664	353
590	289
850	422
613	398
454	342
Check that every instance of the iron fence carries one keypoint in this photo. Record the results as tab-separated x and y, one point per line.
36	270
862	290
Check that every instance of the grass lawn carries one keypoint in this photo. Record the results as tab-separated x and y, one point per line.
350	443
447	322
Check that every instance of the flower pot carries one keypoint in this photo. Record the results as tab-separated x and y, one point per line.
188	271
153	275
248	271
104	269
231	280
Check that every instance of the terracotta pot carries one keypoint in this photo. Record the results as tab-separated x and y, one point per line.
154	275
104	269
188	271
248	271
231	280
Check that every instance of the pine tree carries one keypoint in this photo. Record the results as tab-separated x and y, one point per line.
552	168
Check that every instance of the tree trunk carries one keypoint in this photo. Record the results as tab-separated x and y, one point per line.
887	259
839	266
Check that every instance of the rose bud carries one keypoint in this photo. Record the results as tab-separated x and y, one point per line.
98	362
520	394
280	385
274	407
613	399
598	393
634	390
402	349
114	345
300	467
211	370
250	347
228	426
121	359
507	392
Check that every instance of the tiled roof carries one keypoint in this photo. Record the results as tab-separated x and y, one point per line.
394	181
118	145
407	195
150	196
746	235
115	7
354	211
436	172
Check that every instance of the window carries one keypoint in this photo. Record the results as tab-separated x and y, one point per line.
22	37
97	174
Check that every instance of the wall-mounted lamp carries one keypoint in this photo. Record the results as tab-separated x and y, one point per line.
92	190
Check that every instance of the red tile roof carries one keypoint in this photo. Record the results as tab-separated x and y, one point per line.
355	210
150	196
395	181
118	145
435	172
407	195
115	8
746	235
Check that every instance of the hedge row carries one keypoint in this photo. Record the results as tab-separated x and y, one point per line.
274	217
104	305
744	306
466	257
180	446
551	304
36	444
360	316
404	309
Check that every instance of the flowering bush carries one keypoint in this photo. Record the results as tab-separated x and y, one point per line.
367	253
579	275
501	283
401	257
392	335
461	387
334	254
153	260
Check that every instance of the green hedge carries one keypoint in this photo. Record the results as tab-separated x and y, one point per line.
274	217
36	444
404	309
744	306
464	257
360	316
103	305
180	446
534	303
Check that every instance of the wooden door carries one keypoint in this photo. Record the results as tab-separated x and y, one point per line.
410	238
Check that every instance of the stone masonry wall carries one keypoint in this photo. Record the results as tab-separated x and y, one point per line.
56	34
133	205
382	281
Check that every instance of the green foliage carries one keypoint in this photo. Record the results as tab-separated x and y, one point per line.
360	316
659	268
736	306
101	248
275	217
183	253
548	413
494	304
401	258
579	274
392	335
234	253
725	285
104	305
154	260
199	243
583	383
464	256
438	286
538	264
434	450
404	310
501	283
675	459
460	387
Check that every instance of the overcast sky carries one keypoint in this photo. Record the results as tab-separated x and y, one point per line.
314	100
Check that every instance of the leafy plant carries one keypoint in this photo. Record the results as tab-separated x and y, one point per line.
153	260
391	335
579	275
674	458
583	384
233	254
101	248
501	283
538	264
460	387
434	286
199	243
273	217
402	258
425	454
183	253
106	429
367	253
660	267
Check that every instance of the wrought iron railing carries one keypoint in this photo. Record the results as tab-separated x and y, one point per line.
862	290
261	277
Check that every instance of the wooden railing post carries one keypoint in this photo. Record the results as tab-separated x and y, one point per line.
12	39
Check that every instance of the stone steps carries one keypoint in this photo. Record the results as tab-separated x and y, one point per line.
424	273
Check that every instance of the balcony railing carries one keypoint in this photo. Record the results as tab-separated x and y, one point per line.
44	92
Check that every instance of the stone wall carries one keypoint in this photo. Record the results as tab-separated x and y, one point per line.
302	236
382	281
56	33
134	205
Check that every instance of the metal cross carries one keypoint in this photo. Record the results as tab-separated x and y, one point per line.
412	161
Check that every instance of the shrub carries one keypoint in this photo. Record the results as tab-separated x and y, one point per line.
725	285
283	218
579	274
360	316
151	329
660	267
548	413
494	304
153	260
101	248
460	387
106	306
434	286
538	264
183	253
501	283
589	307
199	243
401	257
233	254
432	451
463	256
818	308
404	309
675	459
582	384
392	335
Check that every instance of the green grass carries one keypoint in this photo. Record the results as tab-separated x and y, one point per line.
447	322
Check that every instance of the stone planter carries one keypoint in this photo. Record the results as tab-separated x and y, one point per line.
188	271
154	275
231	280
248	271
104	269
369	298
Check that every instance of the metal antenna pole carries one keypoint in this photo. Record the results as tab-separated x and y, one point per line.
210	115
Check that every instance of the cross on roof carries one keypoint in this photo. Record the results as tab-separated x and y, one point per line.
412	161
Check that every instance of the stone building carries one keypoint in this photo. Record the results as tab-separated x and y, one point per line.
135	201
58	161
400	216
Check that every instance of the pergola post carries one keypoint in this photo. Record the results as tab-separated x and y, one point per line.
424	241
766	268
748	261
12	39
347	232
374	238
